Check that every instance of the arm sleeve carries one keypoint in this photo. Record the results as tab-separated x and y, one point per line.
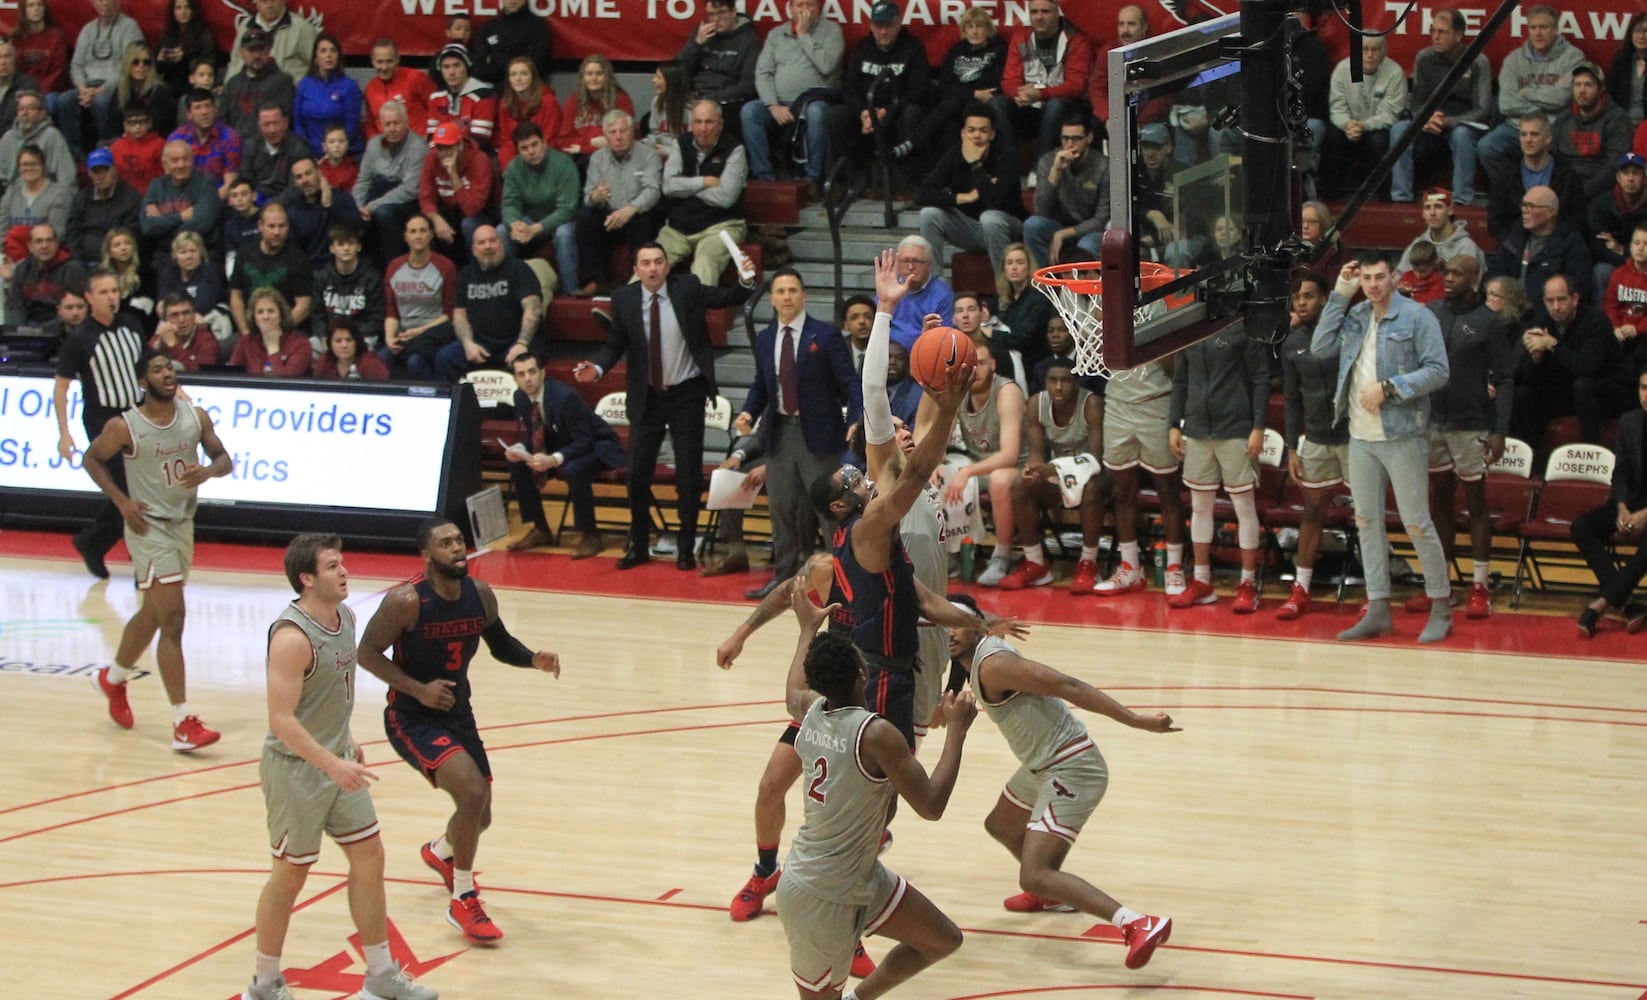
504	647
878	428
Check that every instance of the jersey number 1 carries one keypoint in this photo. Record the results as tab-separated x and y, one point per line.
820	774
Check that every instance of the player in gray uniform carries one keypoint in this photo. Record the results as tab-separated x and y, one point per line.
314	776
991	425
160	443
854	761
1060	780
1137	403
1064	431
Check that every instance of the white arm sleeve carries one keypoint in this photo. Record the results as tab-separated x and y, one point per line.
878	428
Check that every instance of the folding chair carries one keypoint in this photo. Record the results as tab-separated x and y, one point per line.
1577	479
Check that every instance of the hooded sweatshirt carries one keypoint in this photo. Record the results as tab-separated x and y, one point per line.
723	69
1458	244
1592	143
1528	82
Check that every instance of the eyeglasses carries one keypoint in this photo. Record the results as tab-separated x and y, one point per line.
1534	204
142	61
913	261
1494	295
1073	138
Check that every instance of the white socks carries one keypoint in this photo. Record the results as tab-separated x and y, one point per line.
1249	576
1124	916
1089	553
1002	552
378	959
1035	555
441	847
268	968
1175	554
1305	577
1129	554
463	883
118	674
1203	574
1480	571
180	711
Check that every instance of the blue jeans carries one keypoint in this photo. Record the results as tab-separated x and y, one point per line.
1500	146
757	140
1048	119
1404	465
64	107
992	232
1038	230
566	254
1459	140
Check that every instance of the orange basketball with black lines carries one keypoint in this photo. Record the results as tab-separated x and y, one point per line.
939	355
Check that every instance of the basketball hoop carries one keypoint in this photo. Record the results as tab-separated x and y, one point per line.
1079	300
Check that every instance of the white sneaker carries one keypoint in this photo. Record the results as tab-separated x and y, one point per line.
1175	580
994	572
395	985
276	990
1126	580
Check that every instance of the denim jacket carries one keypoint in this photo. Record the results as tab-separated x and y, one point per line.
1411	354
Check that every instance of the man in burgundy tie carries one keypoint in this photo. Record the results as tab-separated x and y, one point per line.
806	393
558	434
658	332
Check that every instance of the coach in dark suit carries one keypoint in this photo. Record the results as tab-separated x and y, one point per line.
1624	517
557	430
671	378
804	382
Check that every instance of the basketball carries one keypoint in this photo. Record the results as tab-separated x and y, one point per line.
938	356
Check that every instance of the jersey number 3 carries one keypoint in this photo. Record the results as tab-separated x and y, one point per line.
820	774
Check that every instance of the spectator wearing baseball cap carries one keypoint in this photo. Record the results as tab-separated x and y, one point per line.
1593	132
469	102
1613	216
887	87
459	191
108	202
259	81
288	38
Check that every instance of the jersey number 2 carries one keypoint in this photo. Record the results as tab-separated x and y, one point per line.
820	774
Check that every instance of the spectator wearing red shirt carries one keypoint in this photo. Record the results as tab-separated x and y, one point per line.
394	82
272	347
459	191
182	337
526	99
42	49
137	152
471	103
598	92
1035	95
347	358
336	165
1625	303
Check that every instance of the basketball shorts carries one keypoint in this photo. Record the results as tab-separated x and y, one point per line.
1136	434
163	554
823	933
890	692
929	682
302	804
426	742
1463	453
1209	463
1060	798
1325	465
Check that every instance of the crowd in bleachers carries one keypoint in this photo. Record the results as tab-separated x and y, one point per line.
264	211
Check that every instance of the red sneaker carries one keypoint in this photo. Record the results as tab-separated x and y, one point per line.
1479	604
1128	579
1195	593
1295	605
1027	574
442	866
746	905
1246	597
1086	577
120	710
468	916
1142	937
1418	604
190	734
862	964
1028	902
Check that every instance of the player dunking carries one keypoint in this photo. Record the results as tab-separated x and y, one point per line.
855	763
313	775
160	443
1060	781
435	625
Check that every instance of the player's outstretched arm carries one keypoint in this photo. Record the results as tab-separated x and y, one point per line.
813	577
505	648
395	615
883	512
886	750
798	697
1005	670
937	609
290	657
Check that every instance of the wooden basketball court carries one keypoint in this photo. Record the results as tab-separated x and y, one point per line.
1334	822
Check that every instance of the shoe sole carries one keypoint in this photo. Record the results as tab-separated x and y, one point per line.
1147	952
182	747
1045	581
1118	591
1288	614
1242	609
472	939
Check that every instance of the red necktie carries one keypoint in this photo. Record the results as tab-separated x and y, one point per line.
788	386
656	317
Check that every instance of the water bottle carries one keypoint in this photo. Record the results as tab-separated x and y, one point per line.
967	556
354	372
1158	554
268	367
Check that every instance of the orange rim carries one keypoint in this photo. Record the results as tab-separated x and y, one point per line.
1066	276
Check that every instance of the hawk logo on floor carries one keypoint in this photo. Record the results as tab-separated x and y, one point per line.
1059	790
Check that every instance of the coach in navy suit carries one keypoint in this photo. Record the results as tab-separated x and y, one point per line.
671	376
557	430
806	392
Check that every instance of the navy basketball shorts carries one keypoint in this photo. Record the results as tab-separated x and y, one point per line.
890	692
426	741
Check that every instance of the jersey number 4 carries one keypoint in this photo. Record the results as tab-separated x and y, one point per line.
820	774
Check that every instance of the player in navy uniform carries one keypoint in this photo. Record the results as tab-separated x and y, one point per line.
434	626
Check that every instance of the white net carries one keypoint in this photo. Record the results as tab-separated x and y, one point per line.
1083	315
